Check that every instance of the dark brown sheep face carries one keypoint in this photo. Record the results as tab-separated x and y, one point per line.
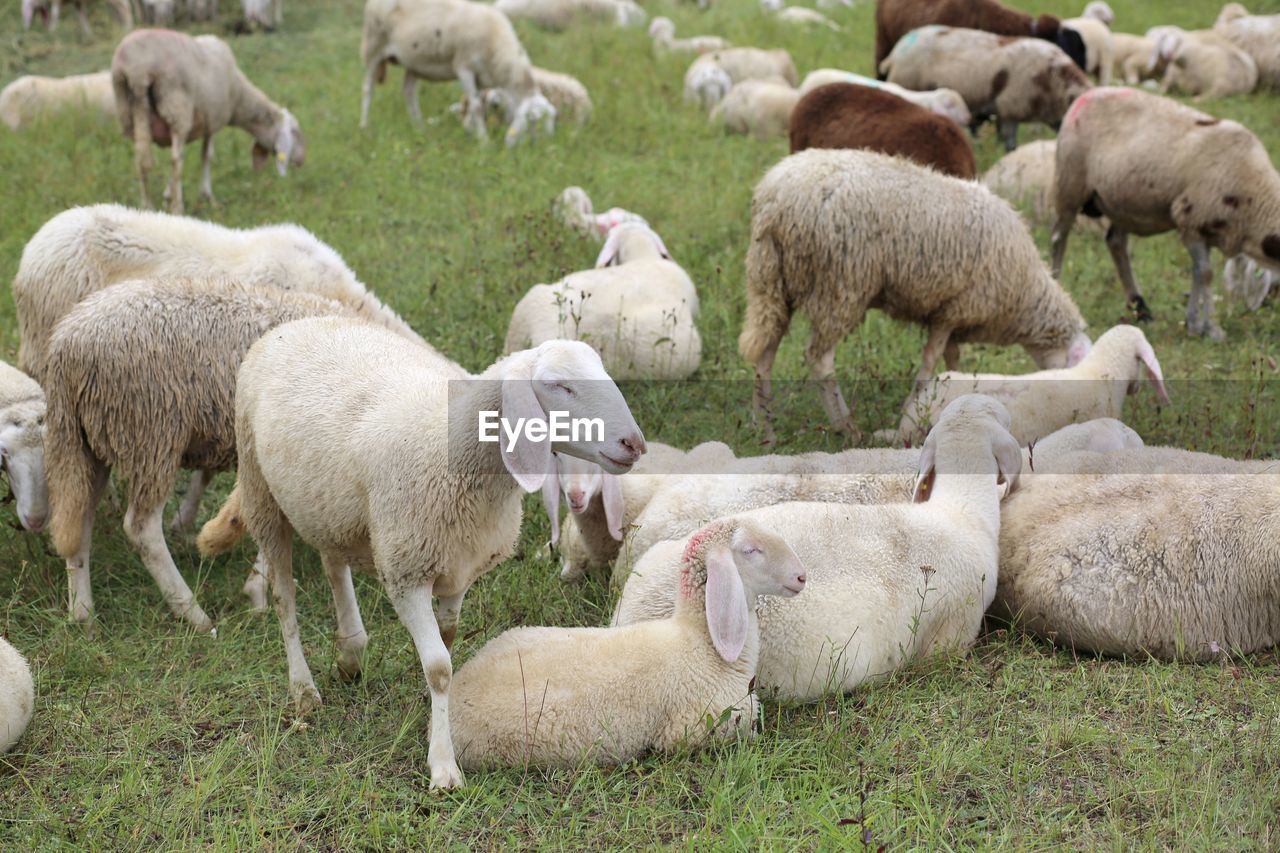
1271	247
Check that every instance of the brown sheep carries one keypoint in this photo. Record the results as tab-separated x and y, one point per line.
842	115
896	18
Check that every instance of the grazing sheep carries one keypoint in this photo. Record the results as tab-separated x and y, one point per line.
1206	65
1256	35
638	313
1044	402
443	40
557	15
1148	552
411	492
565	92
895	19
663	33
1024	177
22	413
29	98
141	378
759	107
573	208
1213	183
836	232
1248	282
843	115
1013	79
708	72
49	11
886	584
558	696
945	102
706	85
171	88
17	696
267	14
1094	27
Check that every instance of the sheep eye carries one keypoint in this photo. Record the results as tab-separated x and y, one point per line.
563	389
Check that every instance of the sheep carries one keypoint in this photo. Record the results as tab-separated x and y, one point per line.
887	583
267	14
1153	552
761	108
141	378
28	98
453	39
558	696
707	85
638	314
1014	79
799	15
22	414
1213	183
844	115
159	13
17	696
835	232
1205	64
49	11
724	68
207	10
895	19
1256	35
415	492
1247	282
1043	402
1024	177
559	14
573	208
1136	58
565	93
945	102
1094	27
663	32
170	88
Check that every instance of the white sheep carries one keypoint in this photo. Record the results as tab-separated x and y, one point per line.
945	102
29	98
17	696
442	40
159	13
49	11
1094	27
706	85
1025	178
1136	58
171	88
637	309
711	75
565	92
761	108
372	450
558	696
1256	35
573	208
559	14
22	414
1203	63
1249	282
886	584
663	32
268	14
798	15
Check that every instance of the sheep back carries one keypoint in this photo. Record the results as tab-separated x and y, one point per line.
896	18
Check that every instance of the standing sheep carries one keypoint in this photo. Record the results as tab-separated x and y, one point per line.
761	108
267	14
945	102
367	448
843	115
558	15
17	696
1256	35
28	98
834	233
22	414
1094	27
1212	182
171	88
49	11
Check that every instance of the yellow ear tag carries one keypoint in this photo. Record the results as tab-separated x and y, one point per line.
511	132
280	156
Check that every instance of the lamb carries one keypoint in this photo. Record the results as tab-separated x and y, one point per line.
267	14
886	584
28	98
945	102
1247	282
49	11
735	65
558	696
638	313
946	253
573	208
761	108
663	32
17	696
1205	64
844	115
171	88
1015	80
1041	403
1094	27
557	15
141	378
1256	35
1153	552
1213	183
453	39
414	494
895	19
22	414
565	93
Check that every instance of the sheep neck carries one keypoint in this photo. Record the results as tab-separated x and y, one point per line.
472	462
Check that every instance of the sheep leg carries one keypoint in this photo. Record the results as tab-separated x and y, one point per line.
255	585
84	21
175	179
142	146
822	366
1009	133
473	122
366	93
447	618
1058	240
79	589
1118	246
762	395
275	539
951	354
351	634
1200	307
410	90
934	346
145	531
206	178
185	517
414	609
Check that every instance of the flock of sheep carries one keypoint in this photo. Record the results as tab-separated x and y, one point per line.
152	342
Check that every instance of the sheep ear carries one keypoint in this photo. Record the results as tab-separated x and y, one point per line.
726	604
527	461
1008	461
924	480
609	254
611	496
1148	356
551	499
662	247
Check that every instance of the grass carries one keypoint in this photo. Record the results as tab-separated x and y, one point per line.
148	736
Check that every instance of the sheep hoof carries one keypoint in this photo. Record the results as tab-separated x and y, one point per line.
306	698
445	776
349	667
1141	312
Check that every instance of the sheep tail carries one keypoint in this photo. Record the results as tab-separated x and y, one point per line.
225	529
70	469
886	66
768	313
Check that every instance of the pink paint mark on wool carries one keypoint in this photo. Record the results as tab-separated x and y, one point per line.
1094	94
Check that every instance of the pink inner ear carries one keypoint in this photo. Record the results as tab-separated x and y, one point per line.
611	497
551	500
1148	356
609	253
726	604
528	462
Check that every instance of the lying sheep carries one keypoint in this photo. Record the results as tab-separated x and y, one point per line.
1213	183
886	584
1149	552
663	32
412	493
834	233
1094	27
22	414
557	15
799	15
707	85
1256	35
1205	64
1043	402
17	696
560	696
638	313
1025	178
945	102
141	379
1136	58
49	11
708	72
443	40
1013	79
171	88
895	19
761	108
29	98
267	14
1248	282
573	208
842	115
